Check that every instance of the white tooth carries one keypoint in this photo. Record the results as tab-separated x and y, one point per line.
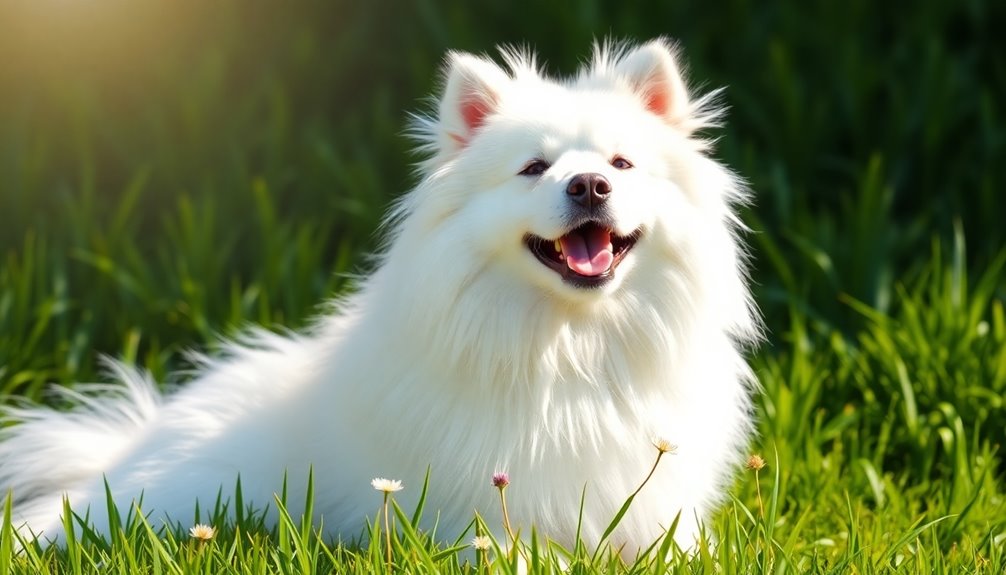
558	246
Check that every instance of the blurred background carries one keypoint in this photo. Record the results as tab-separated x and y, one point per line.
172	170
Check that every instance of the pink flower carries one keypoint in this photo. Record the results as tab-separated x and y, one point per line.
500	479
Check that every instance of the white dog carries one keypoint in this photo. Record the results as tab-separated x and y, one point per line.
564	284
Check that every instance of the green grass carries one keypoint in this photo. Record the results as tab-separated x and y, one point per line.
882	448
232	164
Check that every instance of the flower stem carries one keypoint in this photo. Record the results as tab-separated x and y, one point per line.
506	518
387	532
506	524
653	469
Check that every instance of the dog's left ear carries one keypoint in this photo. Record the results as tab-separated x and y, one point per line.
470	96
652	72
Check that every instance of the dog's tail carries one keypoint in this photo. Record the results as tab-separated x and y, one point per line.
45	451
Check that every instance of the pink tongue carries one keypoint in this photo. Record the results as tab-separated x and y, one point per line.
588	253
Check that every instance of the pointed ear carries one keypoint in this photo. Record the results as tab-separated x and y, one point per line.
471	94
652	72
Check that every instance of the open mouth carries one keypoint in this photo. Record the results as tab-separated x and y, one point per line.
586	256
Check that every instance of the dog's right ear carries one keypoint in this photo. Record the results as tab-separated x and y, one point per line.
470	96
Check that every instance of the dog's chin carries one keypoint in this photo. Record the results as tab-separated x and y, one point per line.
586	258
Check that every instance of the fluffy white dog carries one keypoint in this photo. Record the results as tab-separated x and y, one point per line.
564	284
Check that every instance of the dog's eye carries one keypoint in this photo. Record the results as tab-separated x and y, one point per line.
620	163
534	168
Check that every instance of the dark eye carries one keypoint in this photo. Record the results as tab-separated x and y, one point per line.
620	163
534	168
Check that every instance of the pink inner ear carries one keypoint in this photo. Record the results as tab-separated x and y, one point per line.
658	100
474	111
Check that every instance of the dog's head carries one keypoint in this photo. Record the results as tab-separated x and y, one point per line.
579	188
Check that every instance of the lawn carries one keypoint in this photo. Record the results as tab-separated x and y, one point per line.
172	172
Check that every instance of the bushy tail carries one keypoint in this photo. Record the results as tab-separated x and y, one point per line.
44	451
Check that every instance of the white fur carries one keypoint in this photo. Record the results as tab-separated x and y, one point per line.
462	352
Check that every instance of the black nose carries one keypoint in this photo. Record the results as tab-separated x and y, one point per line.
589	190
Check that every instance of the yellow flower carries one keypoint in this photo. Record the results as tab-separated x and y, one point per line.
386	485
755	463
664	446
202	532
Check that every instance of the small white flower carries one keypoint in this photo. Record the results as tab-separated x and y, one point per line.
386	485
202	532
482	542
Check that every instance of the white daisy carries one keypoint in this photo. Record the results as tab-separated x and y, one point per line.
386	485
202	532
